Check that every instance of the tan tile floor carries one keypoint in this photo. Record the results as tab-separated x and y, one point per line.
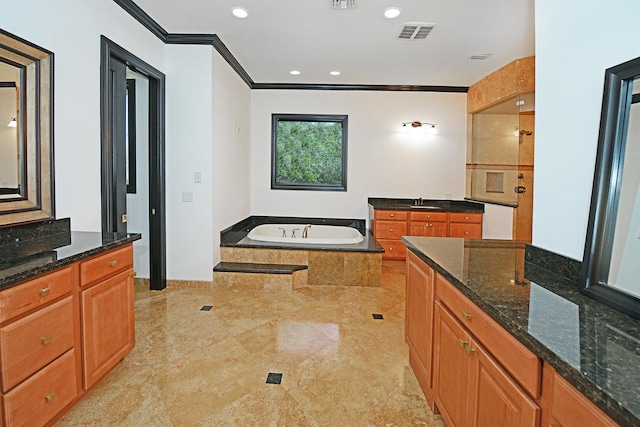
208	368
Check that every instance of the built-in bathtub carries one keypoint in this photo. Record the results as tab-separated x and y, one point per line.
306	234
331	259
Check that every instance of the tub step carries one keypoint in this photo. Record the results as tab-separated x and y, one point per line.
255	276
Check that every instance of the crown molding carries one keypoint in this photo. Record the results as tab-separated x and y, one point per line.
213	40
360	87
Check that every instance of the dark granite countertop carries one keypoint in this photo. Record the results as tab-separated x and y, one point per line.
57	251
596	348
426	205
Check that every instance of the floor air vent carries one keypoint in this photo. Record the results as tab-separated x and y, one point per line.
415	30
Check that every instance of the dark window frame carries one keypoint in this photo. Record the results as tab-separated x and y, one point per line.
131	137
334	118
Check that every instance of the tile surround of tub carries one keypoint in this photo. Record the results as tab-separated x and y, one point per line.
192	367
259	281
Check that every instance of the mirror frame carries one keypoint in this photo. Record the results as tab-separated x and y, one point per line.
36	128
616	103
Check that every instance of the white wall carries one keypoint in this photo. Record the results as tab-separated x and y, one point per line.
72	29
231	147
384	159
570	65
189	150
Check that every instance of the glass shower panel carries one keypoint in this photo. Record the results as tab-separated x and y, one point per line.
493	169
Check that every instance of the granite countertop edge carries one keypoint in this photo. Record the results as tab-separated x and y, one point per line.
439	205
29	273
592	391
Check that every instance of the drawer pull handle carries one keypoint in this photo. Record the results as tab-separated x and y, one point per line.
49	397
45	340
113	263
463	343
467	316
469	350
44	292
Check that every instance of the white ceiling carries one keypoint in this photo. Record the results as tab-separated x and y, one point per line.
312	37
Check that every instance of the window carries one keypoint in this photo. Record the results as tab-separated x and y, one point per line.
309	152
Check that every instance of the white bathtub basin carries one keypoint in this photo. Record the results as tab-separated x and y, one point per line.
316	234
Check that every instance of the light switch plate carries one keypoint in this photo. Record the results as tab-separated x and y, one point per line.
187	196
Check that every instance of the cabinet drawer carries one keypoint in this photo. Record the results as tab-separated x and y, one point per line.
470	231
392	215
34	293
105	265
393	249
390	229
475	218
428	216
44	395
570	408
35	340
521	363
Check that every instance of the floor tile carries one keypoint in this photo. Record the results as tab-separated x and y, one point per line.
339	365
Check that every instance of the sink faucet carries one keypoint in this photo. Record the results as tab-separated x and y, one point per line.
305	232
418	202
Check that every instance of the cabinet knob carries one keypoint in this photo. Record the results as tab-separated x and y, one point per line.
390	249
44	292
49	397
391	230
466	233
466	217
430	225
390	214
463	343
45	340
467	316
469	350
113	263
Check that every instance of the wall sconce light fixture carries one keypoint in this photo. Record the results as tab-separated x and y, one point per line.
13	123
417	124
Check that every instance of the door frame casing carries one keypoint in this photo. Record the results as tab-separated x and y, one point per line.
110	51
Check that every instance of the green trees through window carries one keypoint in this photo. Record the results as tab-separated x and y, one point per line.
309	152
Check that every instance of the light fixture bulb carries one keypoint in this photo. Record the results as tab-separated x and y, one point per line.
13	123
391	13
240	12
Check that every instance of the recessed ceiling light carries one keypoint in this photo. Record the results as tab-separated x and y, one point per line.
240	12
392	13
294	72
335	73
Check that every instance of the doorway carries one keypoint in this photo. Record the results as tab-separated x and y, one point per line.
115	63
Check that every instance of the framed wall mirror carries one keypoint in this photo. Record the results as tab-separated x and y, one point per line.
26	133
611	262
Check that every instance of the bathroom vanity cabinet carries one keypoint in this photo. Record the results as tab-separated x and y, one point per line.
390	225
475	371
62	331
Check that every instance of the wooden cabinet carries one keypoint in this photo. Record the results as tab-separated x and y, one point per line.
567	407
472	388
107	325
430	224
468	225
390	226
470	369
419	321
62	330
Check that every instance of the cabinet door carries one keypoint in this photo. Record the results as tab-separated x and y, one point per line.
417	228
419	320
451	367
437	229
495	399
107	325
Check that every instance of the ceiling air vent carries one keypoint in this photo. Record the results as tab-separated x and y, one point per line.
415	30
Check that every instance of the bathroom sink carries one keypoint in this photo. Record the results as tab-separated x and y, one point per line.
433	208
